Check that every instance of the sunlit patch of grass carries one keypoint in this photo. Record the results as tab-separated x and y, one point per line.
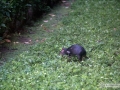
95	25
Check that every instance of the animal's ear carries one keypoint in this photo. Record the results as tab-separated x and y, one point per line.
63	48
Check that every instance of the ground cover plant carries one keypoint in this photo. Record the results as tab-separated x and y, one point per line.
94	24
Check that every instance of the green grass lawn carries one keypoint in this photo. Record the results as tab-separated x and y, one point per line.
94	24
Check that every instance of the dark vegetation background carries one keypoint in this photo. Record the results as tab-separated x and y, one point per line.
16	13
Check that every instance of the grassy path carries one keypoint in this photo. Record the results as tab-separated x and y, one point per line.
95	24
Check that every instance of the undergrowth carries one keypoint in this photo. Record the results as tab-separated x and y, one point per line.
94	24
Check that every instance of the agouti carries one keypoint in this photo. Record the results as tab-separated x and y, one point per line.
74	50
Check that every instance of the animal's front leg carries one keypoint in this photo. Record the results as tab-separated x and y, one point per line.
69	58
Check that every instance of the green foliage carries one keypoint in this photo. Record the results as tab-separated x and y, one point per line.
15	13
4	15
90	23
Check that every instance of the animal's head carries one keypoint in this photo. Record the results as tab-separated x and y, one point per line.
63	51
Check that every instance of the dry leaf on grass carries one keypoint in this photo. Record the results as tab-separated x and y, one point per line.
7	40
52	15
45	20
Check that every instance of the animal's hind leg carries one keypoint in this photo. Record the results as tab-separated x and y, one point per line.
79	57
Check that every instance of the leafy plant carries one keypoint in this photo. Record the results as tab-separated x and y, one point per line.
15	13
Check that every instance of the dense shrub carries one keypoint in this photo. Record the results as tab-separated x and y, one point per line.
4	15
15	13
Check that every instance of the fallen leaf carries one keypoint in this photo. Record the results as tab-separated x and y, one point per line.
54	25
45	20
27	42
52	15
7	40
41	25
19	33
30	40
63	1
115	29
15	42
66	7
43	40
37	40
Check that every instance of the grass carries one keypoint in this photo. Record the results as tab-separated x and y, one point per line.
95	24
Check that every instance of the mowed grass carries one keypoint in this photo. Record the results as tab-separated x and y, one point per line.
94	24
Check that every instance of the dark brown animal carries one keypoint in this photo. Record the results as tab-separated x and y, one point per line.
74	50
